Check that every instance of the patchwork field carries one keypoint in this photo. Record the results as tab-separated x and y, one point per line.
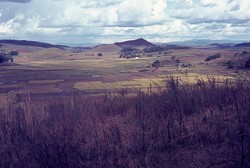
42	71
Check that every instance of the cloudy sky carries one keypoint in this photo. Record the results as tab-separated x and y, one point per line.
106	21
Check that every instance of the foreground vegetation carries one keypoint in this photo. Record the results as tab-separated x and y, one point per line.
180	125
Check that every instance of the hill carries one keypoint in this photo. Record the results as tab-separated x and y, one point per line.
135	43
107	48
44	54
32	43
243	45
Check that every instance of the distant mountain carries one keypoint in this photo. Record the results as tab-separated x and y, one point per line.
203	42
222	45
243	45
134	43
32	43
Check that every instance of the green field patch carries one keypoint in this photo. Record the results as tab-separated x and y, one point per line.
47	88
44	81
89	85
3	86
130	84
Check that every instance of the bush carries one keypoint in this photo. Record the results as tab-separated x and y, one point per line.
14	52
230	64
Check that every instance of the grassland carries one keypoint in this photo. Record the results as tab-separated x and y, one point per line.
200	125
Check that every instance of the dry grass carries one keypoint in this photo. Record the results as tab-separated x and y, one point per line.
182	125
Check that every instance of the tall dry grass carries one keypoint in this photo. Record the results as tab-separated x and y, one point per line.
182	125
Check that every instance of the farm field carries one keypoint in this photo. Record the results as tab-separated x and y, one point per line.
42	71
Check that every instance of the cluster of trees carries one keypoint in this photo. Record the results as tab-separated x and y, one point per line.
80	49
243	54
154	49
242	61
6	56
129	52
212	57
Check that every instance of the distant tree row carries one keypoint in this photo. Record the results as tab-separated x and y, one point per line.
164	48
91	54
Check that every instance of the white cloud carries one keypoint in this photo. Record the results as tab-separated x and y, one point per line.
141	12
114	19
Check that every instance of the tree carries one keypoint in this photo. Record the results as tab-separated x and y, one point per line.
177	63
100	54
1	58
5	56
156	64
230	64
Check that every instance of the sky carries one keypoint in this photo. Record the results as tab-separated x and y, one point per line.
108	21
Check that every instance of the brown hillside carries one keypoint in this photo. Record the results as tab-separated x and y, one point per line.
135	43
45	54
108	48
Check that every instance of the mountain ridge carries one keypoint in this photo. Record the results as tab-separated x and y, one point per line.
32	43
